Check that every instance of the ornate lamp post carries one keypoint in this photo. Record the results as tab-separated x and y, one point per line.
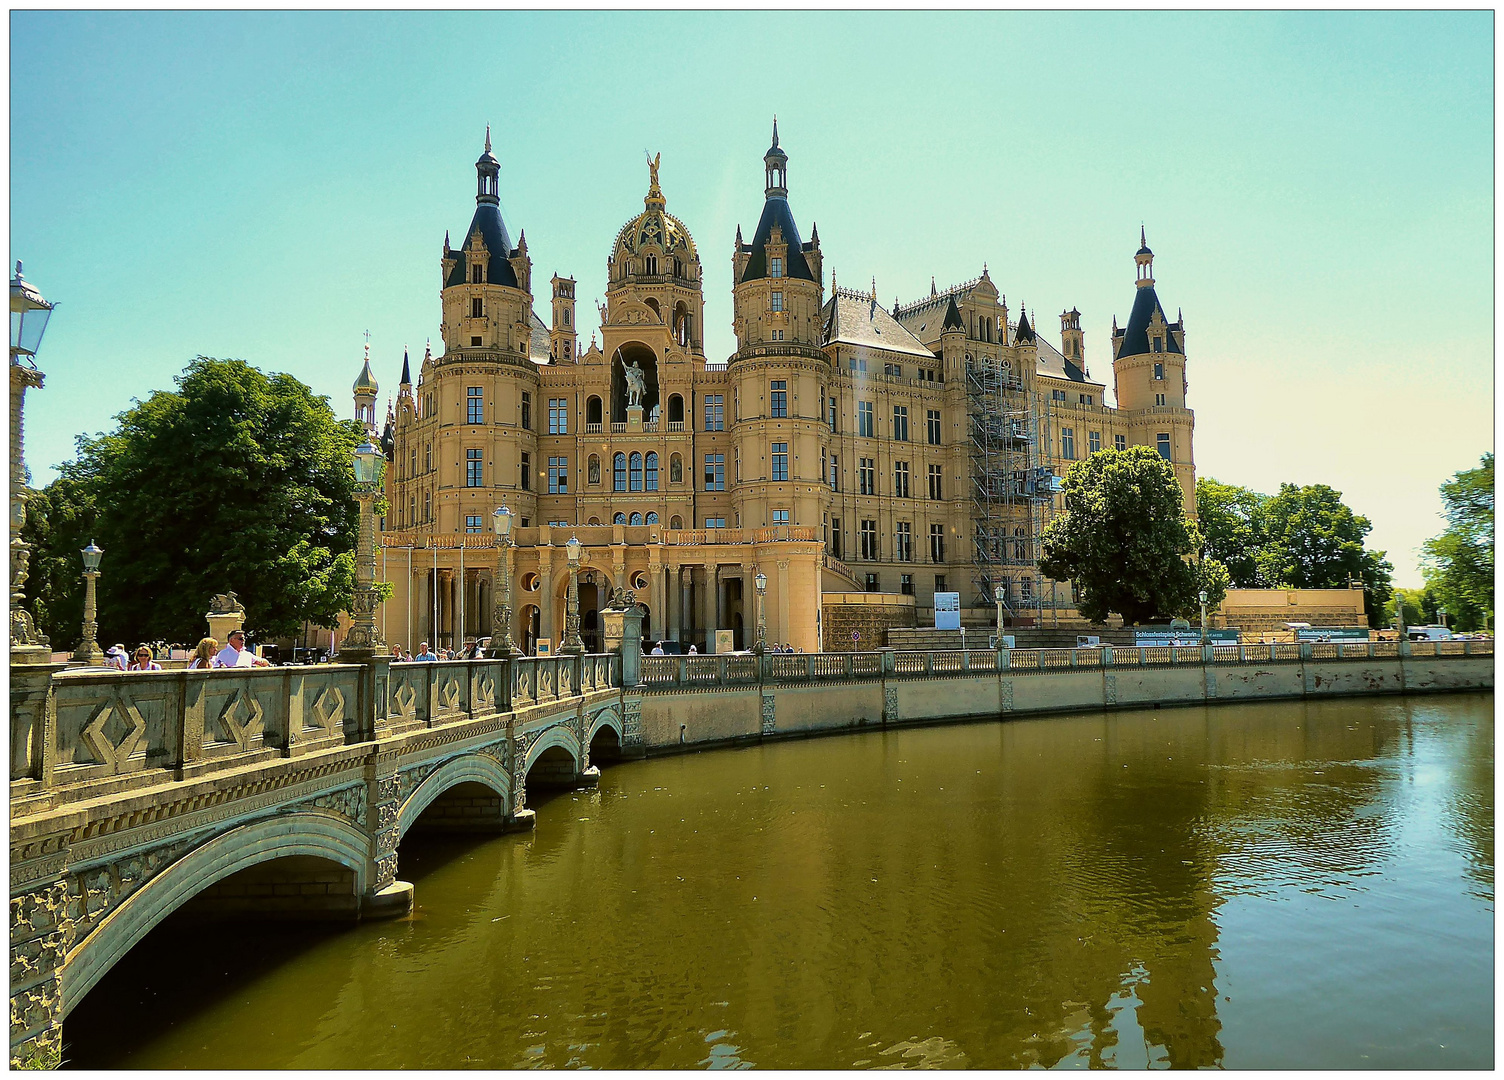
502	646
88	651
1000	595
1203	616
28	321
761	645
362	640
572	643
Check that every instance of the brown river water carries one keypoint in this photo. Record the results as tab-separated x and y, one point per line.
1264	885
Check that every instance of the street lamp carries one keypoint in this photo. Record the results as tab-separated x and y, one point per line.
1000	594
362	641
28	321
572	643
502	647
761	645
88	651
1203	616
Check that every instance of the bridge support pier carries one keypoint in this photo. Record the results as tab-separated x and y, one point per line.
391	902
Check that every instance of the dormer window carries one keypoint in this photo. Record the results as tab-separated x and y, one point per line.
775	267
1159	371
477	274
1157	343
778	301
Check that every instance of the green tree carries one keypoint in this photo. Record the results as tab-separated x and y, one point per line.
1228	517
1459	564
1313	540
59	524
1125	542
237	481
1420	606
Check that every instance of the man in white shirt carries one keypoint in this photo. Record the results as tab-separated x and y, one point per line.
235	654
658	650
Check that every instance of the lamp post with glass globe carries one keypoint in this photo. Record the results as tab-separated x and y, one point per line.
88	651
28	321
502	647
573	646
761	645
999	594
362	640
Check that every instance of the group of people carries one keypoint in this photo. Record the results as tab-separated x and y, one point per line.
140	660
233	655
473	650
658	649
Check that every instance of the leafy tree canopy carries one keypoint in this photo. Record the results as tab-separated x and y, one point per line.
1459	564
1124	540
237	480
1230	523
1313	540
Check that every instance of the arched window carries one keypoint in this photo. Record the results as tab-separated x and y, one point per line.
636	519
676	522
593	410
619	519
650	264
594	521
650	302
652	472
593	474
636	471
675	470
652	518
566	316
619	464
675	409
678	267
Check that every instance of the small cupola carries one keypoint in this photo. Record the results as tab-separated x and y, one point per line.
1144	259
777	164
488	175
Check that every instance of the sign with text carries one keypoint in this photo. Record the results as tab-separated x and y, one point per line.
947	611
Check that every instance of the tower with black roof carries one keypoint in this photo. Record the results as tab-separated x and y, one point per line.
1149	380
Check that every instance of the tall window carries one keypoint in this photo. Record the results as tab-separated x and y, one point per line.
780	398
715	472
864	425
904	542
1159	399
619	469
475	409
831	409
1020	544
651	465
867	476
477	308
1120	442
777	301
872	584
636	467
428	506
868	534
780	517
715	412
775	267
1093	441
715	523
1163	441
780	461
526	468
1159	371
476	276
650	264
937	544
901	479
558	476
527	410
936	471
835	473
558	416
472	468
932	423
906	584
1068	443
428	457
901	423
472	523
835	537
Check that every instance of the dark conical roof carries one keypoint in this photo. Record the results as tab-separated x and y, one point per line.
487	221
1024	333
1136	336
407	375
952	315
776	212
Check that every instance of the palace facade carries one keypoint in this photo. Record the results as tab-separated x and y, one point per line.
862	458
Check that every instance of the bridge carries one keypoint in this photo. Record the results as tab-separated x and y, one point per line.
286	792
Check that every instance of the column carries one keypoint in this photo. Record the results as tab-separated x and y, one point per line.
669	583
546	595
686	605
716	608
783	600
655	594
749	605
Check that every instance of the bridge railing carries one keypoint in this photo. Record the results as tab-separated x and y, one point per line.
106	726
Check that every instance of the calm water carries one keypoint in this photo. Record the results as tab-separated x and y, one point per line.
1267	885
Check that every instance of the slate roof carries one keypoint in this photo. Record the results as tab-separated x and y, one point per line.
1053	362
775	211
493	231
853	318
538	339
1135	337
952	315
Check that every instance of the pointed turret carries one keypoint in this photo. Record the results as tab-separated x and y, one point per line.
1024	334
407	377
952	315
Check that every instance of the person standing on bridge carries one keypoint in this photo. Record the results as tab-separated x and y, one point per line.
423	653
236	655
143	661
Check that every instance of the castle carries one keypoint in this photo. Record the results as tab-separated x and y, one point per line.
860	458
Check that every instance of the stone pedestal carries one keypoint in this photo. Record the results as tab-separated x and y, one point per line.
221	623
622	632
392	902
634	417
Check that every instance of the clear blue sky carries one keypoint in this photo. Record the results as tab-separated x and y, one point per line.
1317	188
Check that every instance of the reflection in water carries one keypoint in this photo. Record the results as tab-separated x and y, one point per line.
1248	885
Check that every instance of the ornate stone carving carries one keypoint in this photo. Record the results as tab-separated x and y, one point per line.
890	703
386	871
404	703
483	693
226	604
387	815
37	956
349	802
39	911
449	695
1005	690
1109	690
387	788
241	719
632	722
103	735
769	715
34	1008
329	708
409	779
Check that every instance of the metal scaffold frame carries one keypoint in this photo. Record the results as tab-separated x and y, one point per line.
1011	492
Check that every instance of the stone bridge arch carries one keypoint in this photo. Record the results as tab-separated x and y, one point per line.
479	769
605	735
320	835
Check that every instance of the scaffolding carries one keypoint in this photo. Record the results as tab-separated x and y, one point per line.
1012	492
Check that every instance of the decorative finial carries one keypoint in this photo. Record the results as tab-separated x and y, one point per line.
18	268
653	188
775	129
932	286
488	138
368	345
